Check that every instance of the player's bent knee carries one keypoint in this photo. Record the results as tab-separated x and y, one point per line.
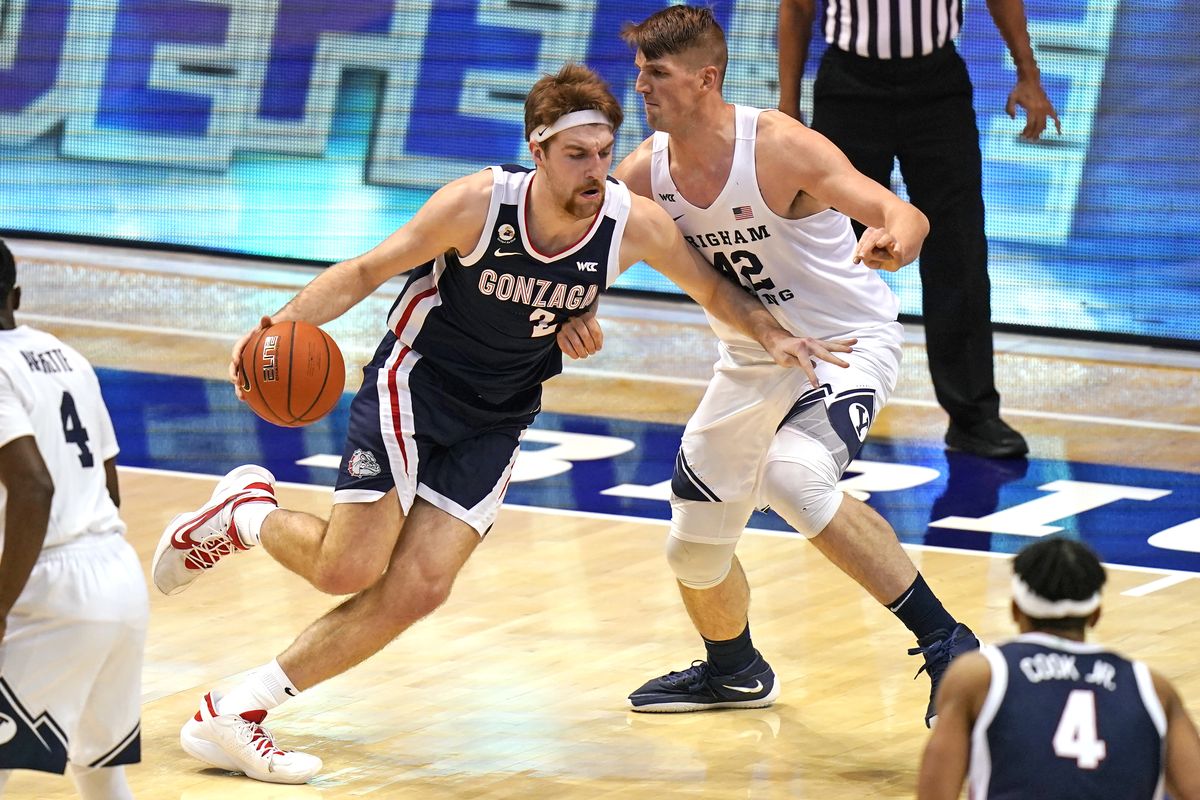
697	565
803	492
346	576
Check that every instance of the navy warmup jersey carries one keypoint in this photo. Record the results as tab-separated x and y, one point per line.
488	318
1066	720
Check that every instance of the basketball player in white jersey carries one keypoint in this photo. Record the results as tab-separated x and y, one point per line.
73	604
1048	715
455	381
766	201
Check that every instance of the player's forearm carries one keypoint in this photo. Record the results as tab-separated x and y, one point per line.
1009	16
910	227
741	310
331	294
794	37
25	522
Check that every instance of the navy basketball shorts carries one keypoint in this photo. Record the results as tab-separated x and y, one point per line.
425	434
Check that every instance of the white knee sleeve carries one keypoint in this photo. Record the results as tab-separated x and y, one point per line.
100	783
703	538
697	565
799	480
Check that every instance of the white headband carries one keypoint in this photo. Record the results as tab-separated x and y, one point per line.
589	117
1038	607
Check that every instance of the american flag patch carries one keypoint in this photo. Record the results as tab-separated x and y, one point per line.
743	212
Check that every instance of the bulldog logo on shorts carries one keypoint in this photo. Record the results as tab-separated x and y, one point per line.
363	464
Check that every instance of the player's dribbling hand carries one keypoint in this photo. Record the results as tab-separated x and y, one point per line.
235	357
879	249
800	351
580	337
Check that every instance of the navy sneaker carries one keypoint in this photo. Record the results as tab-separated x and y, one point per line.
939	649
697	688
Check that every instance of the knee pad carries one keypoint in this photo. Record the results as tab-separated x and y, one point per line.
703	538
799	482
697	565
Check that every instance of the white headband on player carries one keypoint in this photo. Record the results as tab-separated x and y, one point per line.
1038	607
570	120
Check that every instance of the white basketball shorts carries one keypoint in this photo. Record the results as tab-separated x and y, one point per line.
726	441
71	660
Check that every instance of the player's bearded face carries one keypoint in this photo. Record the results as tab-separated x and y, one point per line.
577	165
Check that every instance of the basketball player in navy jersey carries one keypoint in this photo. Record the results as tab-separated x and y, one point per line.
767	201
497	261
1047	715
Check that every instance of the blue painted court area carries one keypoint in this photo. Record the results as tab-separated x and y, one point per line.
1133	516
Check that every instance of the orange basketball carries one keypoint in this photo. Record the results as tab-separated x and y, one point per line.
292	373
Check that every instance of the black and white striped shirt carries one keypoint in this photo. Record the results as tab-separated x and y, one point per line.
892	28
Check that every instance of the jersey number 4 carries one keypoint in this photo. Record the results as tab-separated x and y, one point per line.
1076	736
73	430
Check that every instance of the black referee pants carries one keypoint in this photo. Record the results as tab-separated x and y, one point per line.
918	110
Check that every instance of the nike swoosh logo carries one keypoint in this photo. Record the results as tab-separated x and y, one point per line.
757	687
498	253
681	216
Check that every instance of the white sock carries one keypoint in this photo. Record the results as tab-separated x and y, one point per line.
264	689
248	517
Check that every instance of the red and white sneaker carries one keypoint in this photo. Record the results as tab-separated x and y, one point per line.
195	541
240	743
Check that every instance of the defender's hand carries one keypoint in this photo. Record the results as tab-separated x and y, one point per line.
793	351
879	249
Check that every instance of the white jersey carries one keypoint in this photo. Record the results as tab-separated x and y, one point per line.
801	269
49	391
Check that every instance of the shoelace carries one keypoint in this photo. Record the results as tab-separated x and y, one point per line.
208	552
937	654
260	739
696	674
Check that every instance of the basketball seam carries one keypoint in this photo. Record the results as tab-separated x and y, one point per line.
324	381
291	371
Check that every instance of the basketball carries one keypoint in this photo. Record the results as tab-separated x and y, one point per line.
292	373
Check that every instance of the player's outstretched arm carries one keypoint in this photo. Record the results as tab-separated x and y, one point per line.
651	236
960	696
1183	744
452	219
26	515
797	159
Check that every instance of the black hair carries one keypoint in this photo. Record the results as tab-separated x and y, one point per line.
8	270
1060	569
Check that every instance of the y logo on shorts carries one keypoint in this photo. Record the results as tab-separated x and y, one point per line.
860	419
363	464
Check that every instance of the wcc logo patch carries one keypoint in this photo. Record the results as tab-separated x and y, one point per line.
363	464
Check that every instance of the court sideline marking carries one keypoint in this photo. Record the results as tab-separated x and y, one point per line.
1170	576
631	376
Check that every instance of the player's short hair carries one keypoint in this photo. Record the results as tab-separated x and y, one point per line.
1060	569
574	88
689	31
8	270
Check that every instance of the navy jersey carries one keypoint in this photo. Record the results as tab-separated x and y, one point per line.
1066	720
487	318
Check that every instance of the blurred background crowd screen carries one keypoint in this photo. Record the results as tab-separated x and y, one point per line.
310	131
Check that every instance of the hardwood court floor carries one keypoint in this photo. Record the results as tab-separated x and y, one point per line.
516	687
